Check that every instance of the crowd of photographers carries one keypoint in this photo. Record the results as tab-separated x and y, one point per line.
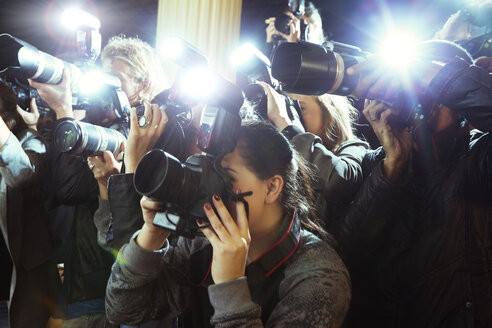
282	218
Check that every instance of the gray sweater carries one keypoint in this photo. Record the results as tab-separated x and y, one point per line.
310	287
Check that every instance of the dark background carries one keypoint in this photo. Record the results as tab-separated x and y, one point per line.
358	22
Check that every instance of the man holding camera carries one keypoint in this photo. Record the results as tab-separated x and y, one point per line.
418	237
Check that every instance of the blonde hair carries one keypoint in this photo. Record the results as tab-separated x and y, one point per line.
142	58
338	114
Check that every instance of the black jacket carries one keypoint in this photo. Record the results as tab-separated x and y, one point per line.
420	250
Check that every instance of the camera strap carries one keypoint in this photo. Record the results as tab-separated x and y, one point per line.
273	258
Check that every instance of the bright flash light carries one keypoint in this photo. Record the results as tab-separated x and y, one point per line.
398	50
243	54
171	48
199	83
91	82
74	18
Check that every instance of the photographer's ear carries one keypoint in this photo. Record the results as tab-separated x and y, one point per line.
274	185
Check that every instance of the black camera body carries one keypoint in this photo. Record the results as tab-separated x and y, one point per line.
185	187
258	68
312	69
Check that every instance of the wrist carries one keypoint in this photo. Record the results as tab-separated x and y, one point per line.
392	168
64	113
151	238
103	189
281	122
129	165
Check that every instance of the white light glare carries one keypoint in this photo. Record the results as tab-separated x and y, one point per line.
399	49
171	48
199	83
91	82
243	54
74	18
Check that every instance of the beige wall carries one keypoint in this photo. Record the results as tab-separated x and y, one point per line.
212	26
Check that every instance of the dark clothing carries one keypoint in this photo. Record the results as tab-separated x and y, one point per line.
24	225
419	250
300	282
126	213
338	174
73	190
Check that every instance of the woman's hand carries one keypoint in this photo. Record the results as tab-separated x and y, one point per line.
230	240
57	96
397	143
30	118
143	139
103	166
151	237
276	108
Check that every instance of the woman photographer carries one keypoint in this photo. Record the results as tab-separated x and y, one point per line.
329	143
267	268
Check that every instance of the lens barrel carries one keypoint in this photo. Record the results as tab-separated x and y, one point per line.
311	69
85	139
21	59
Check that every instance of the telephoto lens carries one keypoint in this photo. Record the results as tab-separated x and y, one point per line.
311	69
85	139
20	59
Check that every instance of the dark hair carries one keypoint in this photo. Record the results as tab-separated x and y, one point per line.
267	152
8	110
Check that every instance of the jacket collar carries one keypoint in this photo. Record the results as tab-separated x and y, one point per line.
285	246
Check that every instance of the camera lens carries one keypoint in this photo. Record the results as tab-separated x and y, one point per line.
159	175
86	139
67	135
310	69
282	23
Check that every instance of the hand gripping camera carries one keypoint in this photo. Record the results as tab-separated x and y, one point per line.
185	187
107	107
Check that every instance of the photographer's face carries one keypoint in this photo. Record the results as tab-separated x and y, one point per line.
129	83
311	113
245	180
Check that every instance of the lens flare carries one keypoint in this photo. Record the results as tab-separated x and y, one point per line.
243	54
171	48
91	82
74	18
399	50
199	83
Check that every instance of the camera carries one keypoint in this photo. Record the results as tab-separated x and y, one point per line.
85	139
282	21
312	69
98	93
254	66
185	187
107	113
